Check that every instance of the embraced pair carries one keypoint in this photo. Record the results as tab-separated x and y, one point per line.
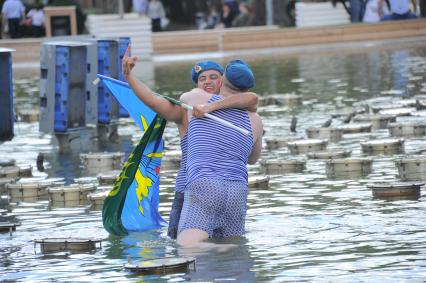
211	186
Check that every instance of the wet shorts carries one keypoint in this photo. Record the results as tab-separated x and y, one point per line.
216	206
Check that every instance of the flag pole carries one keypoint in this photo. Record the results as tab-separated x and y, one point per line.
219	120
208	115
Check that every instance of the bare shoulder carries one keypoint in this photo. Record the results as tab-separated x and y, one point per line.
185	97
195	96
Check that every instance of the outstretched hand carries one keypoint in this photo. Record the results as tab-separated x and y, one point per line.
128	62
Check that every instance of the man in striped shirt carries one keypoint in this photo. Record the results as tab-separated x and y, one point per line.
216	166
207	75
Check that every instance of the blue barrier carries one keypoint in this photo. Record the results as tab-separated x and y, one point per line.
108	107
63	86
70	88
6	95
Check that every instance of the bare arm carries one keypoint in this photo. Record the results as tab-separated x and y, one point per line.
246	100
257	128
160	105
195	97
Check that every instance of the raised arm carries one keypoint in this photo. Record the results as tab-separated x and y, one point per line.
159	104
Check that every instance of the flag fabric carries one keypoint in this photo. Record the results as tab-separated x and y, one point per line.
132	204
142	114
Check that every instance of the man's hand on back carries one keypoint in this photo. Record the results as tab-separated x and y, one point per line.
199	110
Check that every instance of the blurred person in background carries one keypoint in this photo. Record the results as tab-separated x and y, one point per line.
36	20
227	16
356	10
140	6
13	13
234	6
213	18
245	17
400	10
156	13
371	14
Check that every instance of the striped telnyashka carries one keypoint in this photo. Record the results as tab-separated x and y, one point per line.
217	151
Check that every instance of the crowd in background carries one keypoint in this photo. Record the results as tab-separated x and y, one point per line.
226	14
19	20
234	13
372	11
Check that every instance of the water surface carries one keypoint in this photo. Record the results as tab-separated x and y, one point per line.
304	228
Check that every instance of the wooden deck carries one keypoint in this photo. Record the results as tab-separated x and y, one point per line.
234	39
267	37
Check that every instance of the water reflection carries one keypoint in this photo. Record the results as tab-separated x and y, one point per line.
223	264
400	70
222	261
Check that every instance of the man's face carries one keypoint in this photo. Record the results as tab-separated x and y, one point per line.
210	81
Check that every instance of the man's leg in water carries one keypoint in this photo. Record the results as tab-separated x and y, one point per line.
175	215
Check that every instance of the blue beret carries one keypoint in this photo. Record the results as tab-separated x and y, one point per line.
239	74
204	66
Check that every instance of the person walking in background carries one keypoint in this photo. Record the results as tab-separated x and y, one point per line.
400	10
36	16
156	13
13	12
140	6
371	14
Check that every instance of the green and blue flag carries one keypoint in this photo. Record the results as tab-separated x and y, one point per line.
132	204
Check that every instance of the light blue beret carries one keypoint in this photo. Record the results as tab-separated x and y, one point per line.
239	74
204	66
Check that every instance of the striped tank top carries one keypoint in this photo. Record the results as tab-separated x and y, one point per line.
217	151
181	175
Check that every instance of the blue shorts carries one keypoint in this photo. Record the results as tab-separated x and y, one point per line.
216	206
